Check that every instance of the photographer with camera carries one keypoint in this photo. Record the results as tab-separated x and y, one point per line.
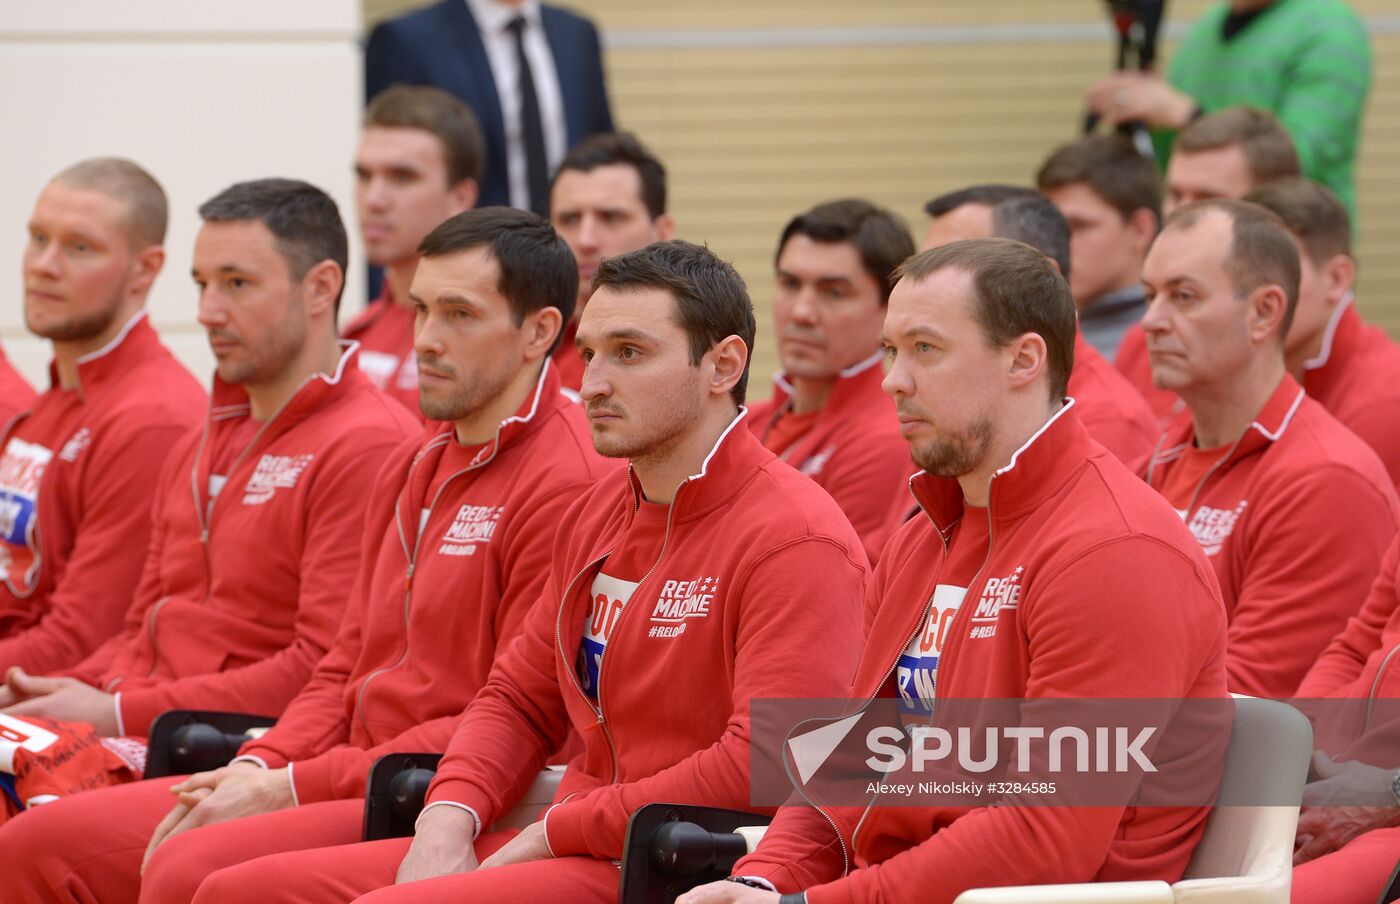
1306	61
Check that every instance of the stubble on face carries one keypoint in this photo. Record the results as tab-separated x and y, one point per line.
77	326
956	452
474	391
656	433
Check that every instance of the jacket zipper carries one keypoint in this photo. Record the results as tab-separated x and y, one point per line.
953	635
559	626
407	588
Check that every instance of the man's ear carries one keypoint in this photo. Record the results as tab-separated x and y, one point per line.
144	270
540	328
1142	223
665	226
1028	359
321	287
730	357
462	196
1339	273
1267	307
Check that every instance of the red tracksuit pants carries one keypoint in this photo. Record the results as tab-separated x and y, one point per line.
1356	873
88	848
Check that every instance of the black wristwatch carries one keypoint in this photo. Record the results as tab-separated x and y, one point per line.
798	898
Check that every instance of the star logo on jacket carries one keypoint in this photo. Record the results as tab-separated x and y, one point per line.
999	595
75	445
472	525
814	465
679	603
1212	526
273	473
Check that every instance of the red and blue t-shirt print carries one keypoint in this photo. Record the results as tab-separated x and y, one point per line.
916	672
21	468
609	597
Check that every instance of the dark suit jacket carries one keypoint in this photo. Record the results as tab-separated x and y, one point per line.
440	45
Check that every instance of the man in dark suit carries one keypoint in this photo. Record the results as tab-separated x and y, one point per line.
533	74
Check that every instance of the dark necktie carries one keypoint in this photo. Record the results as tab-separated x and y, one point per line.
531	125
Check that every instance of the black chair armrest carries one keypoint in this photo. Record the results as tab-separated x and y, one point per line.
398	783
672	848
183	741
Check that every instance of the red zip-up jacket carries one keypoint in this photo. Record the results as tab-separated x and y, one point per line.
854	450
431	609
780	618
242	595
1295	517
16	394
1357	379
384	330
1133	363
1116	601
1363	663
88	463
1110	408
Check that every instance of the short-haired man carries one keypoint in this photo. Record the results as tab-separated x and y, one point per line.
16	394
257	519
78	469
1111	196
468	512
1110	408
608	198
1224	155
1347	364
693	582
1015	493
828	417
419	162
1293	510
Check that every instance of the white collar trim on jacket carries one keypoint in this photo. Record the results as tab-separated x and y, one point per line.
1330	334
781	380
1287	418
116	340
1069	403
705	465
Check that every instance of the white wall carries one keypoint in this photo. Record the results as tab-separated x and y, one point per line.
202	94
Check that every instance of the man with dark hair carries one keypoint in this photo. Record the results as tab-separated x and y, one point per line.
468	512
608	198
79	467
1223	155
1226	154
1112	411
1111	197
1293	510
1350	366
256	519
418	163
828	417
1020	506
693	582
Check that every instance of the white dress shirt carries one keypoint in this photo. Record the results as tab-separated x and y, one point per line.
492	17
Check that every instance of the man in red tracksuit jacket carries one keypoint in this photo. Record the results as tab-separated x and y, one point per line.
1346	853
1112	410
706	575
1352	367
419	162
79	466
257	518
16	394
468	513
1293	510
1079	560
828	417
608	197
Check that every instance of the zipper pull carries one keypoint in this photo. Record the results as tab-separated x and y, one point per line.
204	536
408	578
600	715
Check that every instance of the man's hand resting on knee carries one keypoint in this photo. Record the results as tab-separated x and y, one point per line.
243	789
